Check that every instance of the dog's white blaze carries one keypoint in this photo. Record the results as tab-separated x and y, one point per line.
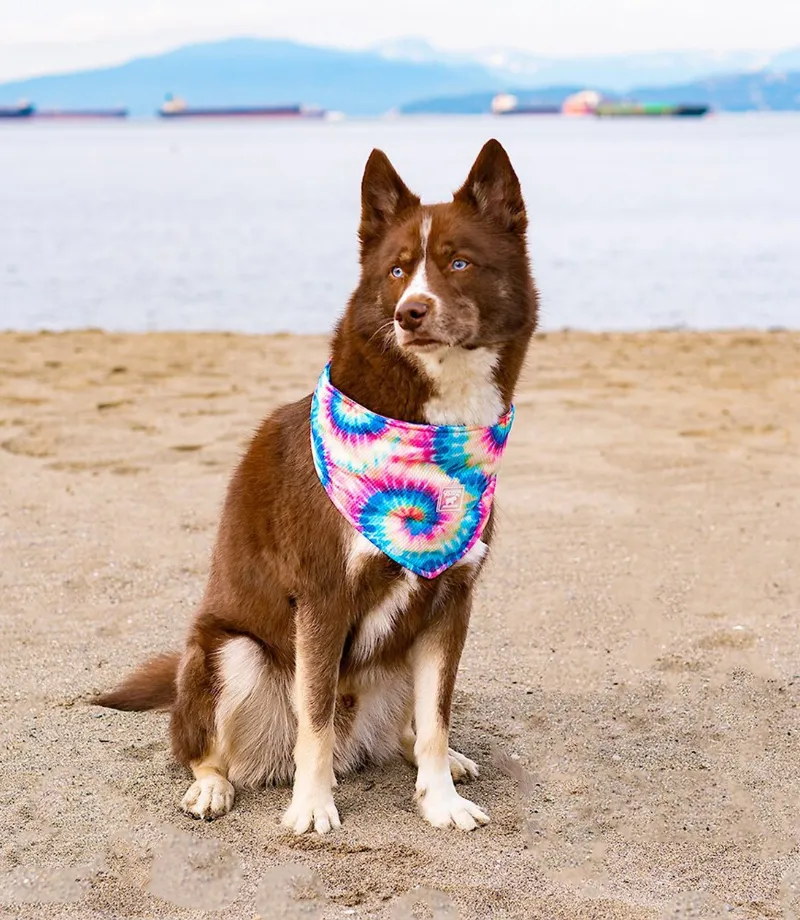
419	286
425	232
466	392
380	621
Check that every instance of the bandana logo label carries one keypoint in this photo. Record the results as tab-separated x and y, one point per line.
451	499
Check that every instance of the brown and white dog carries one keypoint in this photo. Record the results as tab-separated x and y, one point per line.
312	652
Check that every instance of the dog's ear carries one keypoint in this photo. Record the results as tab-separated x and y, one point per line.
384	196
492	189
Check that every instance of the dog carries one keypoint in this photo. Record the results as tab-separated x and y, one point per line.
313	650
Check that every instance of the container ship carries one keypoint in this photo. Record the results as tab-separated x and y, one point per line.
175	107
590	102
649	110
506	104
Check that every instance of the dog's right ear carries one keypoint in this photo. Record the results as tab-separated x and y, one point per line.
384	196
492	189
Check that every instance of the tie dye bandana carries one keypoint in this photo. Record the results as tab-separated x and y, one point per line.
419	493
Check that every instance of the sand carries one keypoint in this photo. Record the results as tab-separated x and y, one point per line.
629	688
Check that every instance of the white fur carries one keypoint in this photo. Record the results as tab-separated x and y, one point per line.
462	767
383	699
256	717
359	552
379	621
466	392
438	801
440	804
255	721
475	555
240	662
312	794
208	797
419	286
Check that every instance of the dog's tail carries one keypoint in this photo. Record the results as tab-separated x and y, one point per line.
151	686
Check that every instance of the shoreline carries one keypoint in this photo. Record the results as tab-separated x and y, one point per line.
540	333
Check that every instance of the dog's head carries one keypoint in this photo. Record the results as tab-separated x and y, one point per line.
444	275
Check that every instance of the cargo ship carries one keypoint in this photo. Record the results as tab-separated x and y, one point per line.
583	103
80	113
649	110
175	107
590	102
20	110
506	104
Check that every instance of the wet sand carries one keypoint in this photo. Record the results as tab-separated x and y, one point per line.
629	687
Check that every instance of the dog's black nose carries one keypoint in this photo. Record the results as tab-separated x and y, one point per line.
411	314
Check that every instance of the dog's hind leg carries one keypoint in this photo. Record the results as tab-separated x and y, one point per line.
193	735
211	794
255	724
461	767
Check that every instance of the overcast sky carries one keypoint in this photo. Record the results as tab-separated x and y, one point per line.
38	36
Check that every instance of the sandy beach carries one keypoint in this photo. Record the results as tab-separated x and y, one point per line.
629	688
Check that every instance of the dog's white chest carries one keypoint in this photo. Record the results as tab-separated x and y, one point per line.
466	392
379	622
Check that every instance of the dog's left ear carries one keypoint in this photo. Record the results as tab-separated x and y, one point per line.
384	196
492	188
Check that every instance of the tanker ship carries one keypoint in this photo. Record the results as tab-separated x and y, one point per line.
175	107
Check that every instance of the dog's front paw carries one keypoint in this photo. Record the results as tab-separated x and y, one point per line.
462	767
446	808
208	798
309	810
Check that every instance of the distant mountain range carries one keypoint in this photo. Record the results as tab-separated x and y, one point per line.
616	72
249	71
399	74
776	92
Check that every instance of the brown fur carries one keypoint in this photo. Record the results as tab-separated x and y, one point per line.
279	571
152	686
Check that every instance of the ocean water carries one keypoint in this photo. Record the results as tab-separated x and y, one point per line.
252	226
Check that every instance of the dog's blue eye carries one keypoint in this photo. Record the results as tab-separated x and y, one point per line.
459	265
397	272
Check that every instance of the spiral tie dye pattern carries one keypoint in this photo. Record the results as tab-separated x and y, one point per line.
420	493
